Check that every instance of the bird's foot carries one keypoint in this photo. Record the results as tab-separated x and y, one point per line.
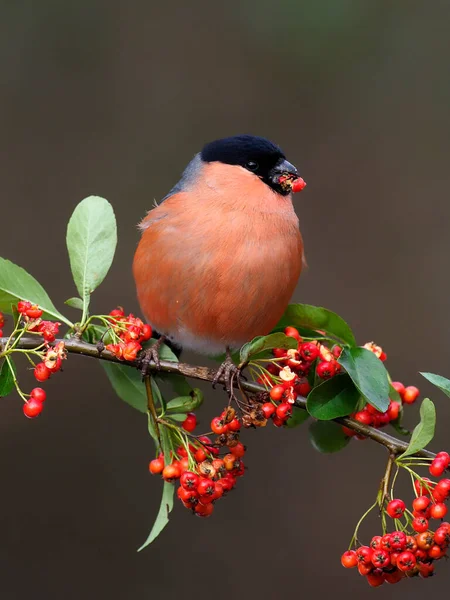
150	355
228	372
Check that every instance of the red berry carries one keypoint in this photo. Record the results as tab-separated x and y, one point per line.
437	467
326	369
41	372
146	332
381	558
442	536
34	312
298	185
386	541
171	472
309	351
23	306
399	388
394	576
218	426
444	456
189	480
156	465
206	487
393	411
406	561
284	410
410	394
438	510
375	542
420	524
398	541
349	559
234	425
436	552
188	497
424	540
238	451
411	544
292	332
190	422
365	569
364	417
276	393
268	409
32	408
204	510
364	555
375	579
443	488
38	394
396	508
421	504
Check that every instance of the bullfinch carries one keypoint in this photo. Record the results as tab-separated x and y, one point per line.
220	256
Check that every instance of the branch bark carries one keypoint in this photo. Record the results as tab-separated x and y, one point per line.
77	346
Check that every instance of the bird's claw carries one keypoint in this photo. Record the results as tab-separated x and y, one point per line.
148	356
227	371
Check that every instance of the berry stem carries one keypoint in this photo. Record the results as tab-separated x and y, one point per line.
151	405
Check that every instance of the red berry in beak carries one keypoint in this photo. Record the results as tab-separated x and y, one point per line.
298	185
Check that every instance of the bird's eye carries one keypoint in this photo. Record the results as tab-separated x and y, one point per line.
252	165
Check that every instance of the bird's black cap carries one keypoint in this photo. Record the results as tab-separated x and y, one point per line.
256	154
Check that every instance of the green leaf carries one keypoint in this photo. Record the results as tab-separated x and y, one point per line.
327	437
299	416
186	403
335	397
423	432
7	374
166	506
91	242
266	342
177	416
394	395
317	319
441	382
16	284
75	303
368	374
128	384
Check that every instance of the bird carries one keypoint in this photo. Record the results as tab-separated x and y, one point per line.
220	256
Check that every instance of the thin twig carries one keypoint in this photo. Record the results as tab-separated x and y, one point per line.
77	346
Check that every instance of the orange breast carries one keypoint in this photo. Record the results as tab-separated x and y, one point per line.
218	264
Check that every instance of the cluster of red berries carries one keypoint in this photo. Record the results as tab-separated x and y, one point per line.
396	555
293	368
131	333
204	475
371	416
31	313
52	356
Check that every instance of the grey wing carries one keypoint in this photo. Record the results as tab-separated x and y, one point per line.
187	178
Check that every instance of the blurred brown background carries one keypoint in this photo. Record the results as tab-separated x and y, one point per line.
114	98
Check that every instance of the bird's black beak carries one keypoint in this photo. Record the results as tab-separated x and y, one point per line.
282	175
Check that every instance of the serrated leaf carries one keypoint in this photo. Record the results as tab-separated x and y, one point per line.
16	284
266	342
317	319
327	437
368	374
439	381
75	303
166	506
186	403
423	432
299	416
335	397
128	384
7	374
91	242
